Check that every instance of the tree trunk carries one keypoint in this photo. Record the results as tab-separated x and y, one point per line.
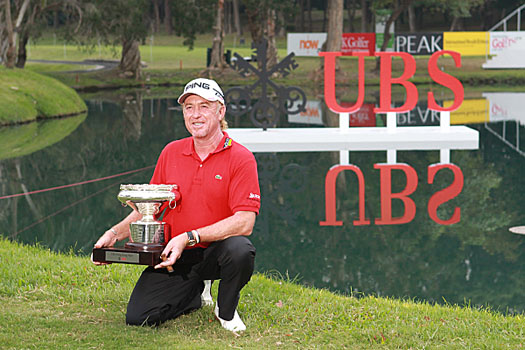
11	48
156	16
22	52
301	16
12	35
281	25
364	16
271	54
310	21
236	18
351	14
167	17
130	60
217	49
325	10
253	24
334	35
456	24
411	18
335	25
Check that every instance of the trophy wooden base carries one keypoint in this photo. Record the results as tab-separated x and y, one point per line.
131	253
143	254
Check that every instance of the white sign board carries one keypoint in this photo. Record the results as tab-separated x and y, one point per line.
501	42
305	44
313	115
506	106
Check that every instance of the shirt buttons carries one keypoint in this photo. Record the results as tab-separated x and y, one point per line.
200	166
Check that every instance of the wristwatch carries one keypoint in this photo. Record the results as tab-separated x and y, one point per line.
192	238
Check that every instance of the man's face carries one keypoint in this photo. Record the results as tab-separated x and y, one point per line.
202	117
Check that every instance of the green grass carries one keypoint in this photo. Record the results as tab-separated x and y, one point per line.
53	301
26	96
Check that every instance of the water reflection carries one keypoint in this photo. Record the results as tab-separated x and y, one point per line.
476	259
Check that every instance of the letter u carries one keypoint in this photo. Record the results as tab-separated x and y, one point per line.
330	196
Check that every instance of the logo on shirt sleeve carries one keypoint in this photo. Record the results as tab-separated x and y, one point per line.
254	196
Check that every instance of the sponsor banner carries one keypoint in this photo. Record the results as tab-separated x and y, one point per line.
501	42
305	44
419	116
466	43
472	111
312	115
358	42
365	116
506	106
419	44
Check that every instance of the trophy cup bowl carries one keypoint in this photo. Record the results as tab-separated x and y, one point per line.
147	234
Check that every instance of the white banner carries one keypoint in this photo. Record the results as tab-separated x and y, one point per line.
305	44
501	42
506	106
312	115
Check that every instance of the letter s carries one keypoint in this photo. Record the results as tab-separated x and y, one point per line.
445	194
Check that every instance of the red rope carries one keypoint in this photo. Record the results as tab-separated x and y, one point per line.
77	183
63	209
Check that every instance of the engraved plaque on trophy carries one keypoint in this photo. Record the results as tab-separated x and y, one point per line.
147	234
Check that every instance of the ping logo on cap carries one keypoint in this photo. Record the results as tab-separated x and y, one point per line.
197	84
205	88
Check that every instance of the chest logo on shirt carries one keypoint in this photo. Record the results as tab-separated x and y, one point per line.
218	177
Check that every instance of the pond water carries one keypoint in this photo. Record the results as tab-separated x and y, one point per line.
475	261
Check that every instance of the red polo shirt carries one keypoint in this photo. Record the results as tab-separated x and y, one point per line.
211	190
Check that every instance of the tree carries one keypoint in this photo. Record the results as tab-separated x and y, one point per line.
262	21
335	25
459	10
32	19
193	17
217	50
9	39
117	22
334	35
399	8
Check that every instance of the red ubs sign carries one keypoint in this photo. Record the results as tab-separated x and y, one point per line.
385	170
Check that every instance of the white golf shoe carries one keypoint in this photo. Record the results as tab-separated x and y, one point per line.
234	325
206	299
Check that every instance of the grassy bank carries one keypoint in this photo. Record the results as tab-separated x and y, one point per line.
53	301
26	96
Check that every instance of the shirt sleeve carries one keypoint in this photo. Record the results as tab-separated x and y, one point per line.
244	192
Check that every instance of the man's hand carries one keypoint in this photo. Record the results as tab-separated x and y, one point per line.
108	239
173	250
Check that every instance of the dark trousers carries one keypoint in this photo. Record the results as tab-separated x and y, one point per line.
159	296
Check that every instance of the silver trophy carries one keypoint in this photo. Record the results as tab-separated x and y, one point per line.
148	199
147	234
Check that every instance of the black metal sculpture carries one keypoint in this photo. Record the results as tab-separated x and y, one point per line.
264	113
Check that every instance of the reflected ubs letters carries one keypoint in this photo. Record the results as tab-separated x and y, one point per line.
385	173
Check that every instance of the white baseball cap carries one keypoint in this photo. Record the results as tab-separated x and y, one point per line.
205	88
